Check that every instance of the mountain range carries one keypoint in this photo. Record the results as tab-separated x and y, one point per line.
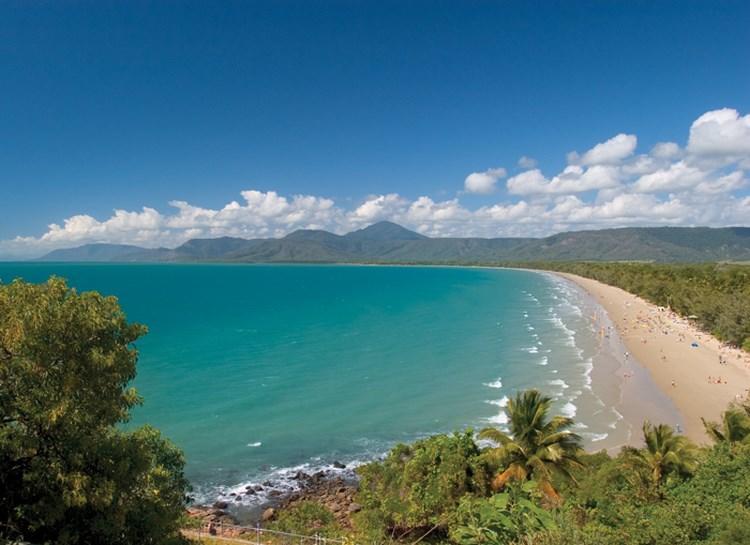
387	242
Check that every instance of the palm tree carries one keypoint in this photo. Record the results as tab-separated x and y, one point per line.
734	425
537	446
665	454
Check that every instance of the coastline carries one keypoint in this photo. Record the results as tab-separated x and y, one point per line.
661	343
632	400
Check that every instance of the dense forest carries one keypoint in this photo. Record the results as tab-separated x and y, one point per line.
715	296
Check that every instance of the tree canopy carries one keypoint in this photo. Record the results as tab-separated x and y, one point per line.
537	446
68	473
667	491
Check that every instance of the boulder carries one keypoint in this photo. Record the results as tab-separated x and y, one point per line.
354	508
268	514
221	505
339	465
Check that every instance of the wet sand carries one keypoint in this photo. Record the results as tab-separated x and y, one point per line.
699	380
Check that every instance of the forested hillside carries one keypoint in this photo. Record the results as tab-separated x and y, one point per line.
387	242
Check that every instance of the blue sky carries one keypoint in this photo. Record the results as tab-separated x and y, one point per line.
366	109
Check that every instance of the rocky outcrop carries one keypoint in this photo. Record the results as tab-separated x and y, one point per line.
212	516
332	492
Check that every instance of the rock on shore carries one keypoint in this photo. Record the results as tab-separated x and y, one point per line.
332	492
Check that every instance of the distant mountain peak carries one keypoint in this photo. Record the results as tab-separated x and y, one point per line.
385	230
310	234
388	242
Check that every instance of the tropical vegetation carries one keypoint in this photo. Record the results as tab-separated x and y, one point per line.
69	473
669	491
537	446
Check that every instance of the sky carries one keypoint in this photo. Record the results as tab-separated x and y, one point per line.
151	123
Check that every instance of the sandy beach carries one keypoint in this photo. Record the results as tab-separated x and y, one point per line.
696	371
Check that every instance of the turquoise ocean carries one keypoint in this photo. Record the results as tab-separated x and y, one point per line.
258	371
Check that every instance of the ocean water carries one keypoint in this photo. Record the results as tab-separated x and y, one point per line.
257	371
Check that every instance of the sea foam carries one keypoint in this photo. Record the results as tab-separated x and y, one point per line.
569	410
499	402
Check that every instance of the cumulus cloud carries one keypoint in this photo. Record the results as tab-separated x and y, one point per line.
673	178
665	150
722	133
574	179
702	183
378	207
483	182
123	226
612	151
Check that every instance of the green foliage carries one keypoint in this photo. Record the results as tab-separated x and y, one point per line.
710	506
668	492
736	528
537	447
734	425
307	517
666	455
717	295
419	486
502	518
68	475
721	481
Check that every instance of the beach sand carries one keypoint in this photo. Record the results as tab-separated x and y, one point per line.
700	380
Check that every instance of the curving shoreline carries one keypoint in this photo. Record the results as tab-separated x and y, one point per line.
638	385
620	384
662	343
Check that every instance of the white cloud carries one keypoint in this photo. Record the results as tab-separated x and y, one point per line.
702	183
724	184
720	133
123	226
425	209
665	150
674	178
483	182
501	213
574	179
612	151
629	208
527	183
378	207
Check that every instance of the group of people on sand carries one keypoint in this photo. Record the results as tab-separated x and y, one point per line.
661	320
